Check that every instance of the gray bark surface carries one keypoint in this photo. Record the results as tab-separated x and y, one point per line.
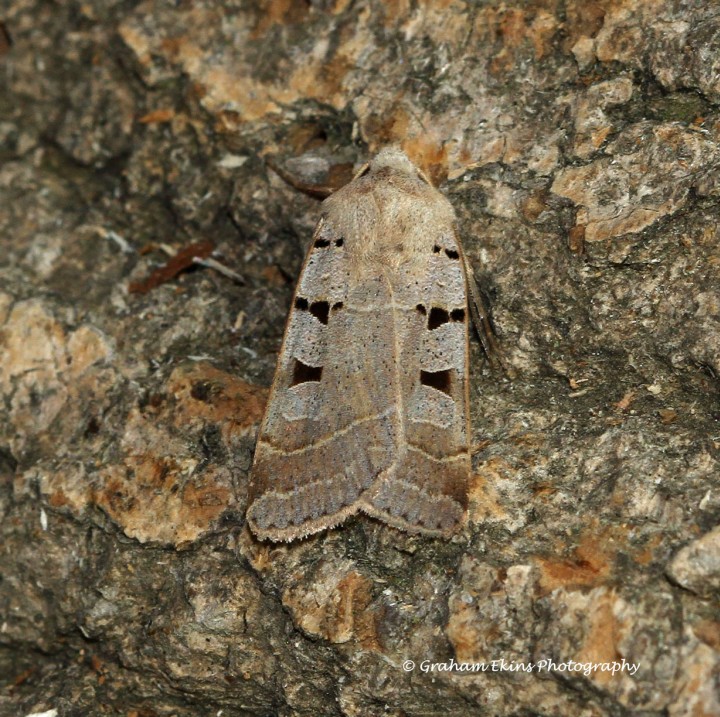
580	145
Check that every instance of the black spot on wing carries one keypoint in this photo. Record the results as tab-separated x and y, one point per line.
450	253
441	380
320	310
437	317
302	373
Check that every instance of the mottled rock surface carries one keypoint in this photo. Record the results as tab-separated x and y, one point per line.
580	144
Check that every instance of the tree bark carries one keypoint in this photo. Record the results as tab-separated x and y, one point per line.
579	144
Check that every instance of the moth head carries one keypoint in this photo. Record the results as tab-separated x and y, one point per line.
393	158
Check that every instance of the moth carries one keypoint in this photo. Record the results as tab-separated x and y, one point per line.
368	411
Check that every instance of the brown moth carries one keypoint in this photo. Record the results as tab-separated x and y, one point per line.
368	410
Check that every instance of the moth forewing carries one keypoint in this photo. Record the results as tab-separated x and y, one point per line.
369	405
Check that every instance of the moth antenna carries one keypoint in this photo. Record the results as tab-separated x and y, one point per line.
424	176
316	191
482	321
362	171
